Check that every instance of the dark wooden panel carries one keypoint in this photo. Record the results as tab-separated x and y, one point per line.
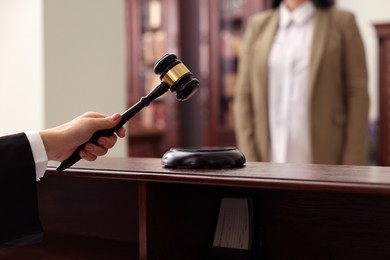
84	219
296	224
181	221
89	207
309	225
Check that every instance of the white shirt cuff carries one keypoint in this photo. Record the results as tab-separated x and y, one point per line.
39	153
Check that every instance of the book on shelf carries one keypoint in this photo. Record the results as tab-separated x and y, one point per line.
233	233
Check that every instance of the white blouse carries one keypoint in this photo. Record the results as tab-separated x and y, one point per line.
289	64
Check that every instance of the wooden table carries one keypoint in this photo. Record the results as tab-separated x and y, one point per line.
141	210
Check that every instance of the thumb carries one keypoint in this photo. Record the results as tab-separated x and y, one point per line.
104	122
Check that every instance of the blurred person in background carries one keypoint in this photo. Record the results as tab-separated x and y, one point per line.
301	94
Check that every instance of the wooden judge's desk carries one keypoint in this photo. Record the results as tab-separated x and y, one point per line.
133	208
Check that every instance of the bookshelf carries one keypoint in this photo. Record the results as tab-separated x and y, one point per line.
152	30
227	23
155	27
383	141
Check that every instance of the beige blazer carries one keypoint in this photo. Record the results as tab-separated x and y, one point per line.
338	95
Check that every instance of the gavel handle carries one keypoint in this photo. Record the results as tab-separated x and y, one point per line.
125	116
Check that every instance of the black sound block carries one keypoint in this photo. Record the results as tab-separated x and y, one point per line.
204	158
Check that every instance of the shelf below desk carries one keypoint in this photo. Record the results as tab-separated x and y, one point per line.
70	247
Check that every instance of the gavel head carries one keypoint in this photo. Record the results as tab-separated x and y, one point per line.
179	79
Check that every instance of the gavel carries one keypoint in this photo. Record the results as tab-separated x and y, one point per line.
174	76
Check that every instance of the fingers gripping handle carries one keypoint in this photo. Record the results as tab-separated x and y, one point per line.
126	116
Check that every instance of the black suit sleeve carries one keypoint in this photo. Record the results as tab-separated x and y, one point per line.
19	216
